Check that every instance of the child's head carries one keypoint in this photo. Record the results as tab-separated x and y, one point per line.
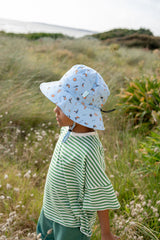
80	94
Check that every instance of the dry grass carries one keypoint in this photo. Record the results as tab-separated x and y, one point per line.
29	133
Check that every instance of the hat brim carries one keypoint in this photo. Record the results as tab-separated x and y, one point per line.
77	111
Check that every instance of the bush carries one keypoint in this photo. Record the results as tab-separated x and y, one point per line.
121	33
34	36
140	101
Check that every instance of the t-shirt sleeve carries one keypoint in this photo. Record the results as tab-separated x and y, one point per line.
99	193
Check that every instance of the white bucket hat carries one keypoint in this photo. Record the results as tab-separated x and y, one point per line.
80	93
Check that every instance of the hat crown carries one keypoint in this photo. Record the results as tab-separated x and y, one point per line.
80	93
86	86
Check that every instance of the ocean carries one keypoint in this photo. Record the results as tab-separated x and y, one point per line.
15	26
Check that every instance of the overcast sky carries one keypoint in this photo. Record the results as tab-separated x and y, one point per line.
97	15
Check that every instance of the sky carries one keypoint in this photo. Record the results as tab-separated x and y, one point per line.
95	15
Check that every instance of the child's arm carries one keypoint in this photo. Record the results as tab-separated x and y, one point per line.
105	227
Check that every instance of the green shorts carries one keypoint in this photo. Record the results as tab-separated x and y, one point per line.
50	230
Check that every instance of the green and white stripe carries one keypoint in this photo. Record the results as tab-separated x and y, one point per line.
76	185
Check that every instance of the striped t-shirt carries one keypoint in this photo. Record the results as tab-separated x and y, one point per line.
76	185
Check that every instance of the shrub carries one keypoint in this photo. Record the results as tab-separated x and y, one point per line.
141	101
121	33
34	36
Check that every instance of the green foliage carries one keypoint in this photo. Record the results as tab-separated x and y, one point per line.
34	36
141	101
150	150
130	38
121	33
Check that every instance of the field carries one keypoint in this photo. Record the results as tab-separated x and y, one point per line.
28	133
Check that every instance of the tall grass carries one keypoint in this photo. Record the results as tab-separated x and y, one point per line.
28	133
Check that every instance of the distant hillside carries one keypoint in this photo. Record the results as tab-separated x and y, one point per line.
130	38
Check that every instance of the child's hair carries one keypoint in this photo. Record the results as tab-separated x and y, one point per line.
80	93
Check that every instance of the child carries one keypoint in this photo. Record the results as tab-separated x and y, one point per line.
76	186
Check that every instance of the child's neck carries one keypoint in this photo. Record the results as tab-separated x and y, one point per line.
82	129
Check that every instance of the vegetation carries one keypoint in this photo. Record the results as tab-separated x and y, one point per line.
142	38
34	36
28	131
116	33
151	153
141	101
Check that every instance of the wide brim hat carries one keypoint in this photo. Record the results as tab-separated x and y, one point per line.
80	94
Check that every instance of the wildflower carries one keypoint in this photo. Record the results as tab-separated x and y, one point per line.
16	189
12	214
27	174
132	202
2	197
8	186
39	138
141	197
149	203
3	237
18	206
56	136
156	214
111	176
44	133
145	214
116	193
18	174
154	209
158	202
5	176
143	203
132	223
8	197
126	229
18	131
138	205
34	175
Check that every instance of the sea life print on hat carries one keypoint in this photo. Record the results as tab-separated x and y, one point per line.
80	93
